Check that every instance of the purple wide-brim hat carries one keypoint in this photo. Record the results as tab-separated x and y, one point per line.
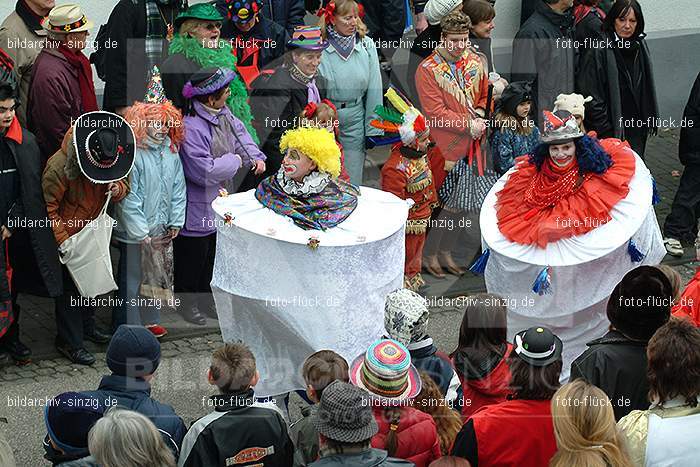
218	80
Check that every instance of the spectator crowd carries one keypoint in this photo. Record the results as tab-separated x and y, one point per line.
197	101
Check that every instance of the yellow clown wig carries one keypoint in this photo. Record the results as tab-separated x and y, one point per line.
317	144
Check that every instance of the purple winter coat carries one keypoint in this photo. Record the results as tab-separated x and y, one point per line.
54	100
204	174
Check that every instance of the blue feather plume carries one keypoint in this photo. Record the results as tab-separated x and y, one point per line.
636	255
479	266
655	197
543	283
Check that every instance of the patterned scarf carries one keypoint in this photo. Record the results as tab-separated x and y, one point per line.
318	211
344	45
312	90
221	57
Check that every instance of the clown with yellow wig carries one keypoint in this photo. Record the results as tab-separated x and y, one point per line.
307	188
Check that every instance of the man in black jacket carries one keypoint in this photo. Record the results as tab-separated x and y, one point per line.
137	33
253	432
544	54
681	223
33	254
617	362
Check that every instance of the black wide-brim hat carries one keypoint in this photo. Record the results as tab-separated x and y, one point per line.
105	144
538	346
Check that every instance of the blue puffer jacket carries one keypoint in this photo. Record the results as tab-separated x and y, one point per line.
157	196
135	394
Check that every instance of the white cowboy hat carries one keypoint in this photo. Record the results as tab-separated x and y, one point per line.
65	19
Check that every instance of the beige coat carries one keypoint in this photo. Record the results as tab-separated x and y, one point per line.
635	427
23	45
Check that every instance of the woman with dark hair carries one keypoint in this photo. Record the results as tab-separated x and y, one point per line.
616	362
489	436
620	79
482	15
481	353
666	433
28	251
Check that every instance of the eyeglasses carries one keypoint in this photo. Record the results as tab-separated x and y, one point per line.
213	26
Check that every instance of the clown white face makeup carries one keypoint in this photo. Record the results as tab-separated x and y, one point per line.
297	165
562	154
157	132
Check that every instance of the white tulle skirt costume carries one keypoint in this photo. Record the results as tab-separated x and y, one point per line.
288	292
565	285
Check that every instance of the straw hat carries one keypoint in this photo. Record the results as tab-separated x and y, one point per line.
65	19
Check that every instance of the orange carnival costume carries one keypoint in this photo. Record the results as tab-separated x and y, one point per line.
567	223
407	174
452	96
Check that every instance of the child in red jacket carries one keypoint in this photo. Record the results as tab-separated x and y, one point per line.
480	358
386	372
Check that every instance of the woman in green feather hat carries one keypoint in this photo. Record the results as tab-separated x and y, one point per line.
198	45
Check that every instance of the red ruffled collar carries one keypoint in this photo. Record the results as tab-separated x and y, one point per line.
579	211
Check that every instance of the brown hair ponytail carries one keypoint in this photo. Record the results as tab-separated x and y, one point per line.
392	438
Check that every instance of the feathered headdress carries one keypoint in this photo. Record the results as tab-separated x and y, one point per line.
402	119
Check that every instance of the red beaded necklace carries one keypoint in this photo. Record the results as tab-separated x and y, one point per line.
547	187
